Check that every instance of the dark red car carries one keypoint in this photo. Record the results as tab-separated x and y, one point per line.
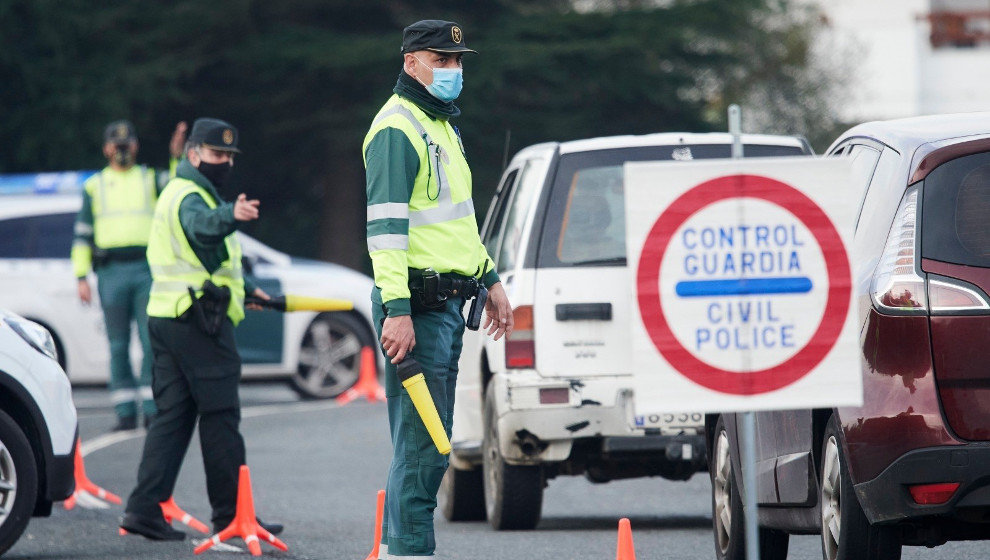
912	465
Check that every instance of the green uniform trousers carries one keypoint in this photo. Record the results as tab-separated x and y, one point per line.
196	376
417	467
123	287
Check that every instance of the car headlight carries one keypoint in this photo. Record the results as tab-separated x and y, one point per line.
34	334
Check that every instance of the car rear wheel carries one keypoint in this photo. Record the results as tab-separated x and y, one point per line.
330	355
846	532
18	482
462	495
728	523
513	493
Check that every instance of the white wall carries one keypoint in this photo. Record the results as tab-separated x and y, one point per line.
894	72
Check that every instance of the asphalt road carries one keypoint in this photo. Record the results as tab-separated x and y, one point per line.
316	468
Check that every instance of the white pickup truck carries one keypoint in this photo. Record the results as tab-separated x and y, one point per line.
555	397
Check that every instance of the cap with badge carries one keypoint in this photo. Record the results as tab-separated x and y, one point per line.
434	35
214	133
119	132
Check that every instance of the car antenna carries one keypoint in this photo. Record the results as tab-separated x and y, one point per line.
505	150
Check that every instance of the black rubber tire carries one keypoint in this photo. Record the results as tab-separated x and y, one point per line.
462	495
342	329
773	543
25	476
513	493
858	539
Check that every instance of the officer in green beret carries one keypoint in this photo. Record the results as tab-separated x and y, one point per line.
428	261
111	237
197	298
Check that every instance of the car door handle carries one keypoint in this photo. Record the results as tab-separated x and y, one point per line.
584	311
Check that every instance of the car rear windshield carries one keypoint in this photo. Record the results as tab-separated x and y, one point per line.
955	212
585	221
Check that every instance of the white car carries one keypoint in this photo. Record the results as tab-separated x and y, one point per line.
319	353
555	397
38	429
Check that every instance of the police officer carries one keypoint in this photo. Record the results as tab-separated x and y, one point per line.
197	298
427	258
111	235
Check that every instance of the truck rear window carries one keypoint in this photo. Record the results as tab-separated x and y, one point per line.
955	212
585	221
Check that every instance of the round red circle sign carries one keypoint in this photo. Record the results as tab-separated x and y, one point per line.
651	302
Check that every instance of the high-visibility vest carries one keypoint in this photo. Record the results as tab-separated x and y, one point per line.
123	203
174	265
443	230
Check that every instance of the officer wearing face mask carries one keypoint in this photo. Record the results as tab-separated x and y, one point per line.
197	298
428	262
111	237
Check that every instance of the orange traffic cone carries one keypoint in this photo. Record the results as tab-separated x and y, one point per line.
379	512
171	511
85	485
625	550
245	524
367	385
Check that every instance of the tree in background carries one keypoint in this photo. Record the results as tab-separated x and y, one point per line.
303	78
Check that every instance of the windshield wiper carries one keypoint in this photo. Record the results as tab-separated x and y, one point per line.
610	260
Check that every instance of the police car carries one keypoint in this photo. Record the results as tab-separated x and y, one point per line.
38	429
555	398
318	353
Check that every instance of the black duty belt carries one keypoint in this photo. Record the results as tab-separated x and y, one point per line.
430	290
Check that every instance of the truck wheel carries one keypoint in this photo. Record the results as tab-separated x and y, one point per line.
462	495
728	523
846	532
18	482
513	493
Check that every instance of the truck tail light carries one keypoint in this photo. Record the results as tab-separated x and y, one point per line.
933	494
897	287
520	350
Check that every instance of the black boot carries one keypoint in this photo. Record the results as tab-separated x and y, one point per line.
125	423
150	528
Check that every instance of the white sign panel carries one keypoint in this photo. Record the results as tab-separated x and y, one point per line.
743	285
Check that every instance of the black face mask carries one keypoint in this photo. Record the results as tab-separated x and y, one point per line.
217	173
122	156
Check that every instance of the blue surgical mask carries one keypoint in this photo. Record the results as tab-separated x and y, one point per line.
447	83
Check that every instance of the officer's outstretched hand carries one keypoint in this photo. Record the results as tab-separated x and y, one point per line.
178	140
498	312
398	337
260	294
246	210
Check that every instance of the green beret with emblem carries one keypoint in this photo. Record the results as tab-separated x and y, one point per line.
434	35
119	132
214	133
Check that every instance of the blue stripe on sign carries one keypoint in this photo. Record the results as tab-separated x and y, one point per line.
744	287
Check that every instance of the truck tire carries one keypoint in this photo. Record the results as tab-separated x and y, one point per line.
462	495
728	519
513	493
18	482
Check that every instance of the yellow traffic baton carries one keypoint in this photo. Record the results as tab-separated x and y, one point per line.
300	303
411	375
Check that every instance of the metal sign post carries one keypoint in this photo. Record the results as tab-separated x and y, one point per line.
747	428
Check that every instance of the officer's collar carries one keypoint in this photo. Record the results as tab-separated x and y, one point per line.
408	87
185	170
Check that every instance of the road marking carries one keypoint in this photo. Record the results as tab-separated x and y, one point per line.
106	440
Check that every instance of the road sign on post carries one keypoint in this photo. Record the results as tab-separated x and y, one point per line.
743	283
